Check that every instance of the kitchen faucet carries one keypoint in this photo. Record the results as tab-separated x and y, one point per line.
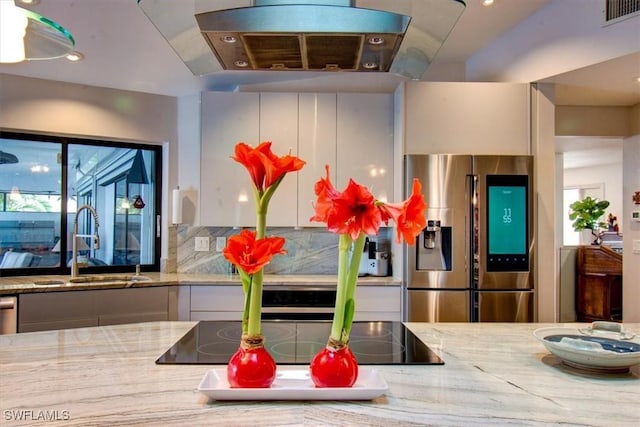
95	237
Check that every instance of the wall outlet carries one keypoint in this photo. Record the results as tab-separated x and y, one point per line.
202	244
221	242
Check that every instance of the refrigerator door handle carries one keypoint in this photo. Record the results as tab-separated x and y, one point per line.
471	231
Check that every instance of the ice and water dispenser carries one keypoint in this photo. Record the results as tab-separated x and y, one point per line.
433	250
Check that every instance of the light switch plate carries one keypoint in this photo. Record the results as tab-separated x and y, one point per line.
635	246
202	244
221	242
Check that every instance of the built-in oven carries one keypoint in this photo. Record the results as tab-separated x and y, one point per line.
8	315
298	302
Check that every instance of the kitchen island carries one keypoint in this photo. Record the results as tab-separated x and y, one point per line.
494	374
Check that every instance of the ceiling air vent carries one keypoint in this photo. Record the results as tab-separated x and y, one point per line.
617	10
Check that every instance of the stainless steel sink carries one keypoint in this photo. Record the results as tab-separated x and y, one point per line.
115	278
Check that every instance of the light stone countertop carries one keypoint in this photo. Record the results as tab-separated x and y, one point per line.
494	374
57	283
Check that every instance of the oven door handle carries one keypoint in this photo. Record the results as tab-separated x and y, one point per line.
297	309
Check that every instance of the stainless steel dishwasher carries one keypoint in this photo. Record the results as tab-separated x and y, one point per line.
8	315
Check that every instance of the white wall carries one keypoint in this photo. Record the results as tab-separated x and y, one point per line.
609	176
466	118
51	107
188	157
44	106
630	260
569	31
547	272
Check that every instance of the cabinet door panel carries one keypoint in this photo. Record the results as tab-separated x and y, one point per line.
121	319
317	146
58	324
216	315
279	124
75	309
217	298
469	117
54	306
226	193
133	301
365	141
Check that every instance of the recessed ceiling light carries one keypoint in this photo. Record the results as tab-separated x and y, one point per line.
29	2
487	2
74	56
637	79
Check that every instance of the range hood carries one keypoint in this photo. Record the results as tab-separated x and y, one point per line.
310	37
393	36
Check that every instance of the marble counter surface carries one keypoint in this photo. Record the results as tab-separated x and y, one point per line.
56	283
494	374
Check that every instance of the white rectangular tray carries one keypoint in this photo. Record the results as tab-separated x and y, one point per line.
293	384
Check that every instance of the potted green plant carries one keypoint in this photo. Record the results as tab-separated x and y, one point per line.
586	214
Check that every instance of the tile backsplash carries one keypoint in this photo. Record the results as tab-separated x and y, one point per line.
309	250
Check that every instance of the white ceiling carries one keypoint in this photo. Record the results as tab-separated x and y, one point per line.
584	152
124	50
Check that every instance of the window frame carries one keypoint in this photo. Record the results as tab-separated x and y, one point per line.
65	141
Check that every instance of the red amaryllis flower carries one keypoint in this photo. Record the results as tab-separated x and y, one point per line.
351	212
408	215
326	193
263	165
251	254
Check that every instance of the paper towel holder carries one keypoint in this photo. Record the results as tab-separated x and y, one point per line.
176	203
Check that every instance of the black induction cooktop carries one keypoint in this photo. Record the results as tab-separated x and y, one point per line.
296	342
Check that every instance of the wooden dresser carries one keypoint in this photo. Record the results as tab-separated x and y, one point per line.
599	284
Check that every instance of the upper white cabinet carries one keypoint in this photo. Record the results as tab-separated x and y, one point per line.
279	124
316	146
365	142
352	133
470	118
226	192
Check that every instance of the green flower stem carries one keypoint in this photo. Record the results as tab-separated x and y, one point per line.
255	305
352	279
246	284
255	295
254	326
341	291
347	280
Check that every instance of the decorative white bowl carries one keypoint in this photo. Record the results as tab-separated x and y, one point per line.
605	346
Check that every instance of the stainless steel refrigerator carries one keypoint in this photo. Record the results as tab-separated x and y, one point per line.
474	260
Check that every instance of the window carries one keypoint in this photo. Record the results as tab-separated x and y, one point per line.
48	184
570	195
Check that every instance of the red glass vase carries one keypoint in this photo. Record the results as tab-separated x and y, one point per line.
251	366
334	366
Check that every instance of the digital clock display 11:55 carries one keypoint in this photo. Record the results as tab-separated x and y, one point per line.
507	223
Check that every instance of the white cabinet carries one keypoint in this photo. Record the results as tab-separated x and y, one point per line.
353	133
279	124
378	303
74	309
365	142
216	302
317	146
469	118
226	192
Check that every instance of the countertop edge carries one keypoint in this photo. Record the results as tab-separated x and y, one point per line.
29	284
